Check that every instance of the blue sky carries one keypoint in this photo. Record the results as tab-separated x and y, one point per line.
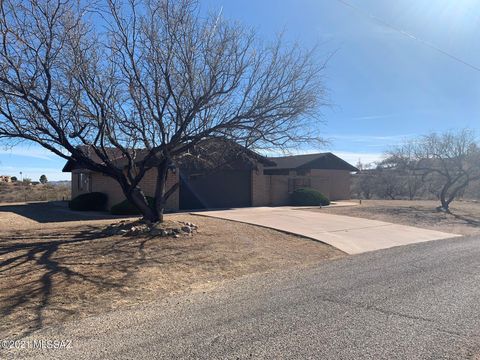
384	86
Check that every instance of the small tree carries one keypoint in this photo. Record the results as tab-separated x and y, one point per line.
364	182
153	75
397	179
14	179
43	179
389	183
450	161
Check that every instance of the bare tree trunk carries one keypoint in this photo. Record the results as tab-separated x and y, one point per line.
455	192
443	197
160	200
137	197
161	192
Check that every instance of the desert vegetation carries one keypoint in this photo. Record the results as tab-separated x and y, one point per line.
25	191
435	166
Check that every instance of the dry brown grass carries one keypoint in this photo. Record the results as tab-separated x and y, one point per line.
55	271
464	219
16	192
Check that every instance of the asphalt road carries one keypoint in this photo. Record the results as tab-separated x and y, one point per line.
414	302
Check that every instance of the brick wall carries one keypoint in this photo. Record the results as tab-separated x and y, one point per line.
272	190
267	190
76	190
335	182
106	185
260	188
74	185
279	189
109	186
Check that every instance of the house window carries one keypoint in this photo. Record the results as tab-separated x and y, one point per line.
83	181
298	183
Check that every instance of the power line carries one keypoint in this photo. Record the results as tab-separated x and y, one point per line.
407	34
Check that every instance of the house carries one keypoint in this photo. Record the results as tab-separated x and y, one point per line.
5	178
324	172
226	178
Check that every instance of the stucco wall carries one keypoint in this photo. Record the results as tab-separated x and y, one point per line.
107	185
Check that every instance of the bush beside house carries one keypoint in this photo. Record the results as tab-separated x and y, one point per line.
308	197
95	201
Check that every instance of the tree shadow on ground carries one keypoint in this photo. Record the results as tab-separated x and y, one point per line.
48	278
468	220
431	216
53	212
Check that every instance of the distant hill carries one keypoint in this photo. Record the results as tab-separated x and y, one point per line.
60	183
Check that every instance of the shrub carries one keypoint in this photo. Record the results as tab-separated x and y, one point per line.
94	201
308	197
127	208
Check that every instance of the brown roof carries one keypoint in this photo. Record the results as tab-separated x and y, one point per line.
312	161
211	151
114	154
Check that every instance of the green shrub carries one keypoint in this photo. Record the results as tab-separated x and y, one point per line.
127	208
308	197
94	201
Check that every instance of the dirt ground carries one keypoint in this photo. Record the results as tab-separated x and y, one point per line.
464	220
57	265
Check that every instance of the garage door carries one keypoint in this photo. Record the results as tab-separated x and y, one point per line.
221	189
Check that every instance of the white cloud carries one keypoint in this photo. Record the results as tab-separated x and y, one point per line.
28	151
366	138
353	157
369	140
374	117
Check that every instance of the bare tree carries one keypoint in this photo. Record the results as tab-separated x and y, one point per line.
151	80
389	183
400	177
364	182
450	161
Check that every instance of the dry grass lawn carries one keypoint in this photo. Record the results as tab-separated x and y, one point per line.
57	265
18	191
464	220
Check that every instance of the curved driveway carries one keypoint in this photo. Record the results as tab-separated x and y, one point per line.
349	234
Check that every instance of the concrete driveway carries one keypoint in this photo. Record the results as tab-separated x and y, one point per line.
349	234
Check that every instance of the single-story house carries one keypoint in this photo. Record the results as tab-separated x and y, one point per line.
250	180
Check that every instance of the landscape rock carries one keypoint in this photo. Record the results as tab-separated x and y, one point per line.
168	228
187	229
